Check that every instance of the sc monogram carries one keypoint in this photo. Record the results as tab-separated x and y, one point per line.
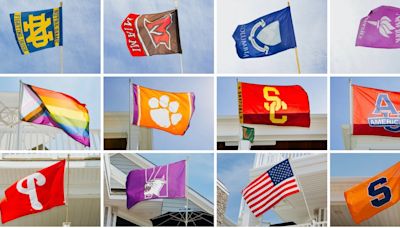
274	104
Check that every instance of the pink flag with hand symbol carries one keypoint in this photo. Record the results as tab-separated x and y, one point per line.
380	29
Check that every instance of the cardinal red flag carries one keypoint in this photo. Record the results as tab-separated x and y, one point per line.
273	105
375	112
152	34
35	193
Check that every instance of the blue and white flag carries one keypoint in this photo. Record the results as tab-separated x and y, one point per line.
37	30
266	35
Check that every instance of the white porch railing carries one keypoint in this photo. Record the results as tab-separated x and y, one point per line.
43	138
264	159
314	224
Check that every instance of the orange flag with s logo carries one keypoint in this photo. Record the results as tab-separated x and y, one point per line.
167	111
374	195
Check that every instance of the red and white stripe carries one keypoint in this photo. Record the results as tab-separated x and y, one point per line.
261	194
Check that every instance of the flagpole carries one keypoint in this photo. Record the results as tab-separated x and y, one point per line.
180	54
19	115
301	190
186	189
67	223
296	52
130	114
350	114
61	51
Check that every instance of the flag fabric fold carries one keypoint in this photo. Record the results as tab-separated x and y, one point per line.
270	188
380	29
167	181
374	195
248	133
167	111
273	105
35	193
37	30
375	112
152	34
265	36
55	109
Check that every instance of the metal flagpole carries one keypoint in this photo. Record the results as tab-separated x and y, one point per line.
301	190
351	113
61	51
67	223
130	114
19	116
186	189
296	52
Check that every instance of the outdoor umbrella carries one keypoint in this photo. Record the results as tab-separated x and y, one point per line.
195	218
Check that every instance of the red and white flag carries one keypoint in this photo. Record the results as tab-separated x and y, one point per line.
270	188
35	193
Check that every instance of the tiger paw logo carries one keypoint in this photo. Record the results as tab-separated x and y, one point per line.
385	114
163	112
274	104
158	31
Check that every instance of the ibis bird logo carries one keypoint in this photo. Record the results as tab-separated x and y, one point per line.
384	25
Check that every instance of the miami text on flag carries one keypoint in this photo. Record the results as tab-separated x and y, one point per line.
152	34
270	188
265	36
167	111
380	29
167	181
55	109
374	195
273	105
35	193
37	30
375	112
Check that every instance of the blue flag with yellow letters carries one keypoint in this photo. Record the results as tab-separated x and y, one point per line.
266	35
37	30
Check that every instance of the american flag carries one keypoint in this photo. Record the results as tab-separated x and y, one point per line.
270	188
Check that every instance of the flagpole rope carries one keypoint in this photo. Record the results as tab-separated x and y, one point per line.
130	114
19	118
350	114
67	197
61	52
186	189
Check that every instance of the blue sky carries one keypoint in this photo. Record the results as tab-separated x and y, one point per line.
84	89
340	102
315	87
200	169
199	136
361	165
345	56
233	172
310	25
81	22
196	23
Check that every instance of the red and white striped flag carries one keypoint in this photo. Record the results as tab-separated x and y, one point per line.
270	188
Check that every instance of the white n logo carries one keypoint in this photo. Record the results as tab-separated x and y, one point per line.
30	190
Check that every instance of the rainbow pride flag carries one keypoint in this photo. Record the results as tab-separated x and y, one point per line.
55	109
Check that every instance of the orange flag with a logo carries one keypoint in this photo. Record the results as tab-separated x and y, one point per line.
273	105
374	195
167	111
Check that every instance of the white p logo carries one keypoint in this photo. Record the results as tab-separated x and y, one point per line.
30	190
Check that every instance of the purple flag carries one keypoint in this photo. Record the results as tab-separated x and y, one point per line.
167	181
380	29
